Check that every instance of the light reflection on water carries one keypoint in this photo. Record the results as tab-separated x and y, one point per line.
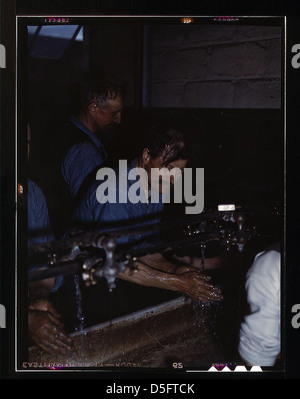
81	319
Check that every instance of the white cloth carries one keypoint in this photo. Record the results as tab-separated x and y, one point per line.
259	342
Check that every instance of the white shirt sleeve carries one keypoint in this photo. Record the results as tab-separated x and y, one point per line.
259	343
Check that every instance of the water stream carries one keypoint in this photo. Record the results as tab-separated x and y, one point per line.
80	317
206	317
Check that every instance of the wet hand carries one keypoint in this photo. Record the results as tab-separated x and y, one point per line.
184	269
46	331
197	286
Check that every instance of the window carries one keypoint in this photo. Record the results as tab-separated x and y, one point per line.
51	42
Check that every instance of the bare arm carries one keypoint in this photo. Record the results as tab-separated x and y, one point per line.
155	271
40	289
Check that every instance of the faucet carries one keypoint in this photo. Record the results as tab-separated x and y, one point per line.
111	267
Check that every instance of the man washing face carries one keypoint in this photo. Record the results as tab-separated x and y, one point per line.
163	148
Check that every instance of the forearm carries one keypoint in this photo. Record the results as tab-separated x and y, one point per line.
40	289
158	262
151	277
167	276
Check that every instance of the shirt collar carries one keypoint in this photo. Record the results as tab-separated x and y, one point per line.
87	131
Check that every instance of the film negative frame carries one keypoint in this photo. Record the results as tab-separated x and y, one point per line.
20	279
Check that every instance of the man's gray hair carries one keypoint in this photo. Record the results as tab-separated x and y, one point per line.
100	91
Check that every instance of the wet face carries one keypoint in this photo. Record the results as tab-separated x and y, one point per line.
160	174
106	115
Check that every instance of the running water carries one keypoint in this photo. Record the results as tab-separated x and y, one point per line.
202	257
110	306
209	348
80	315
206	315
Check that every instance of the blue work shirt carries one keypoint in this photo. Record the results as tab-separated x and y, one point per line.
82	159
39	226
109	216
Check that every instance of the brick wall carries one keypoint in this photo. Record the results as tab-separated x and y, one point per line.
234	66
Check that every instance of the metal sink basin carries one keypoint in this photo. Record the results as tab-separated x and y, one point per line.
177	334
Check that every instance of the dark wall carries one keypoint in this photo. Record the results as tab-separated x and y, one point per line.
241	151
220	83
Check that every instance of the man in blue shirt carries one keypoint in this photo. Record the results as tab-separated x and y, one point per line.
82	158
93	212
119	203
77	151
